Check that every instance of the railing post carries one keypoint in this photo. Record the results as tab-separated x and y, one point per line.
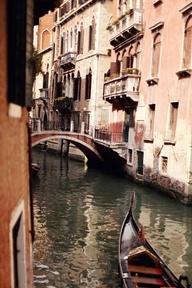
82	127
38	125
72	126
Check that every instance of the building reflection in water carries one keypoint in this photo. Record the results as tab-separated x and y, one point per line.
78	215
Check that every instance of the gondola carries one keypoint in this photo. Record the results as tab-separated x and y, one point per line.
139	263
35	167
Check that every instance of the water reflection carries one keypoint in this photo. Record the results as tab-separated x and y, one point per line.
78	213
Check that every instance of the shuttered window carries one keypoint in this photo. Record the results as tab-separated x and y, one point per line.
77	87
156	55
92	31
88	86
19	22
79	42
188	44
173	118
90	37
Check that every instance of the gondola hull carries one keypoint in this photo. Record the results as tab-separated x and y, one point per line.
139	263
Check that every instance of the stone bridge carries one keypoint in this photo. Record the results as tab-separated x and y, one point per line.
97	152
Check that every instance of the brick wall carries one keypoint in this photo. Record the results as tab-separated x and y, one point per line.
14	169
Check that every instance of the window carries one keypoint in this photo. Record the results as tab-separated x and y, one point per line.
156	55
80	40
188	44
18	247
173	119
75	39
92	31
130	58
88	85
164	163
19	74
73	3
130	156
77	87
138	56
151	120
63	44
45	80
71	40
140	162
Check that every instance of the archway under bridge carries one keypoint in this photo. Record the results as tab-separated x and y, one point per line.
97	153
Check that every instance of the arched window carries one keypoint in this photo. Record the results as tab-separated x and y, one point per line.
75	39
124	62
45	43
137	56
130	57
80	40
71	40
92	31
156	55
77	87
188	43
67	41
63	44
88	85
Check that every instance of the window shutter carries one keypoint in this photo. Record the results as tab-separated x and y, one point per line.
20	18
118	67
124	63
93	35
79	88
188	47
90	37
75	89
79	42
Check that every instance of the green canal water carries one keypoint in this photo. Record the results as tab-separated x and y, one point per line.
78	214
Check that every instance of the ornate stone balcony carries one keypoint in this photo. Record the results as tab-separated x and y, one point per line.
125	27
125	86
68	60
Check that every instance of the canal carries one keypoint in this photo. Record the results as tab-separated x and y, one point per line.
78	213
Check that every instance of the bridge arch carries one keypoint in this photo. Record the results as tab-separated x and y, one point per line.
84	142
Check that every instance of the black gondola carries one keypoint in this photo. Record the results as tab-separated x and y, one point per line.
139	264
35	167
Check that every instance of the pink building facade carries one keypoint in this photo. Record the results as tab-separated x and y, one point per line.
149	87
165	96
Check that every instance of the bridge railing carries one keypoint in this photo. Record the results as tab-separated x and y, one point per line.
37	125
101	134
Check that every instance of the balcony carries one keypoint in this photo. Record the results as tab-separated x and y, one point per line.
68	60
43	93
125	27
126	86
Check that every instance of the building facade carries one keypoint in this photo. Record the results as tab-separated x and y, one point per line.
122	80
81	55
149	88
42	113
165	98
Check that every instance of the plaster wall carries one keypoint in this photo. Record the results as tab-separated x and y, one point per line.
168	89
